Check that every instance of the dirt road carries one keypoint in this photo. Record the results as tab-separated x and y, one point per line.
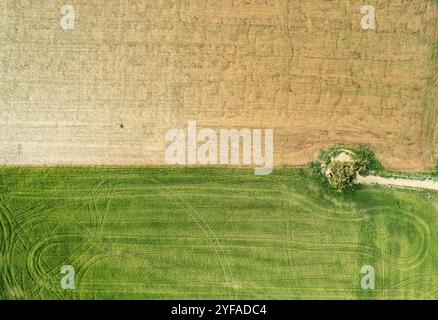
420	184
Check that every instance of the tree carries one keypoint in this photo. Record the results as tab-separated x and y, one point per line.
342	174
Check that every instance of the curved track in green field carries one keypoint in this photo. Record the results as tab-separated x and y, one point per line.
169	233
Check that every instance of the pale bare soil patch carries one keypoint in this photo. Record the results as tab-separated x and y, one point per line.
398	182
105	93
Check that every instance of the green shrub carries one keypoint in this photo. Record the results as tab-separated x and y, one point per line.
341	174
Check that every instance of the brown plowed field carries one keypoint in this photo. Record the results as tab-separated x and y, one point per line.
105	93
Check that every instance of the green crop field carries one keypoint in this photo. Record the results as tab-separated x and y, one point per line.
210	233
